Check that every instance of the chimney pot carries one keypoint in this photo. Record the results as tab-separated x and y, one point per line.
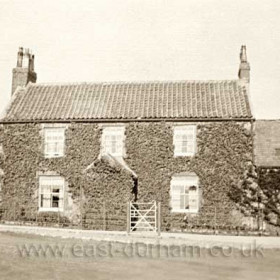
24	71
244	67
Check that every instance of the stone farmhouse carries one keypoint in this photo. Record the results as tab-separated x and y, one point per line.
73	148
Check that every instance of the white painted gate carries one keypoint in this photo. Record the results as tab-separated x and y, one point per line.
143	216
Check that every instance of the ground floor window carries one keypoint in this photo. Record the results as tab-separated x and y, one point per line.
51	193
185	193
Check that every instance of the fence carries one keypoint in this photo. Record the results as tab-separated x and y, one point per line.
92	219
213	219
219	219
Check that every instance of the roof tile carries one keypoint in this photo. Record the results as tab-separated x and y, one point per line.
144	100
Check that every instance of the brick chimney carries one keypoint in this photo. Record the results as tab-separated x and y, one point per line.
244	67
24	71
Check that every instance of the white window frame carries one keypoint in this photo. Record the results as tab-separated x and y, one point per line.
51	194
61	133
184	183
184	137
113	132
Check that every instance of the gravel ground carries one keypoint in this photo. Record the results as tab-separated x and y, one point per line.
169	239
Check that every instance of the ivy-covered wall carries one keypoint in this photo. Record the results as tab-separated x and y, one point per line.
1	163
269	182
224	153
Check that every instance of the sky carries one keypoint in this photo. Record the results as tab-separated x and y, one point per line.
139	40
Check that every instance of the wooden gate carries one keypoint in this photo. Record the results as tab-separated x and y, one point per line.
143	217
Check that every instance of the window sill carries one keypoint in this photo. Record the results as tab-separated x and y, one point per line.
184	155
50	210
185	211
56	156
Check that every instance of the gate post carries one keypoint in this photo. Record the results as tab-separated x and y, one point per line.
159	218
104	216
81	207
128	217
215	220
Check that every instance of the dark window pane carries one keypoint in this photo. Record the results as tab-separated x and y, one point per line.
55	201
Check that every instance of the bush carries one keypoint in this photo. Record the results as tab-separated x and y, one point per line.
52	218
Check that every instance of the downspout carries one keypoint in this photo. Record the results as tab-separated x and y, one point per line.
257	171
135	187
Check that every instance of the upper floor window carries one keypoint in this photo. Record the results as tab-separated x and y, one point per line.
113	140
184	140
54	141
185	193
51	193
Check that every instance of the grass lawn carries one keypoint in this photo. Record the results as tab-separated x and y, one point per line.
96	260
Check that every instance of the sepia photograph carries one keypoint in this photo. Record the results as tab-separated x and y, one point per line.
139	139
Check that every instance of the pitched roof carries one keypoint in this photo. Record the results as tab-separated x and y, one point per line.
113	162
135	100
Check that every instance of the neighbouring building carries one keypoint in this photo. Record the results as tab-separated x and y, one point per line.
80	148
267	158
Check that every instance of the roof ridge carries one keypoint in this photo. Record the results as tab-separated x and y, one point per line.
130	82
